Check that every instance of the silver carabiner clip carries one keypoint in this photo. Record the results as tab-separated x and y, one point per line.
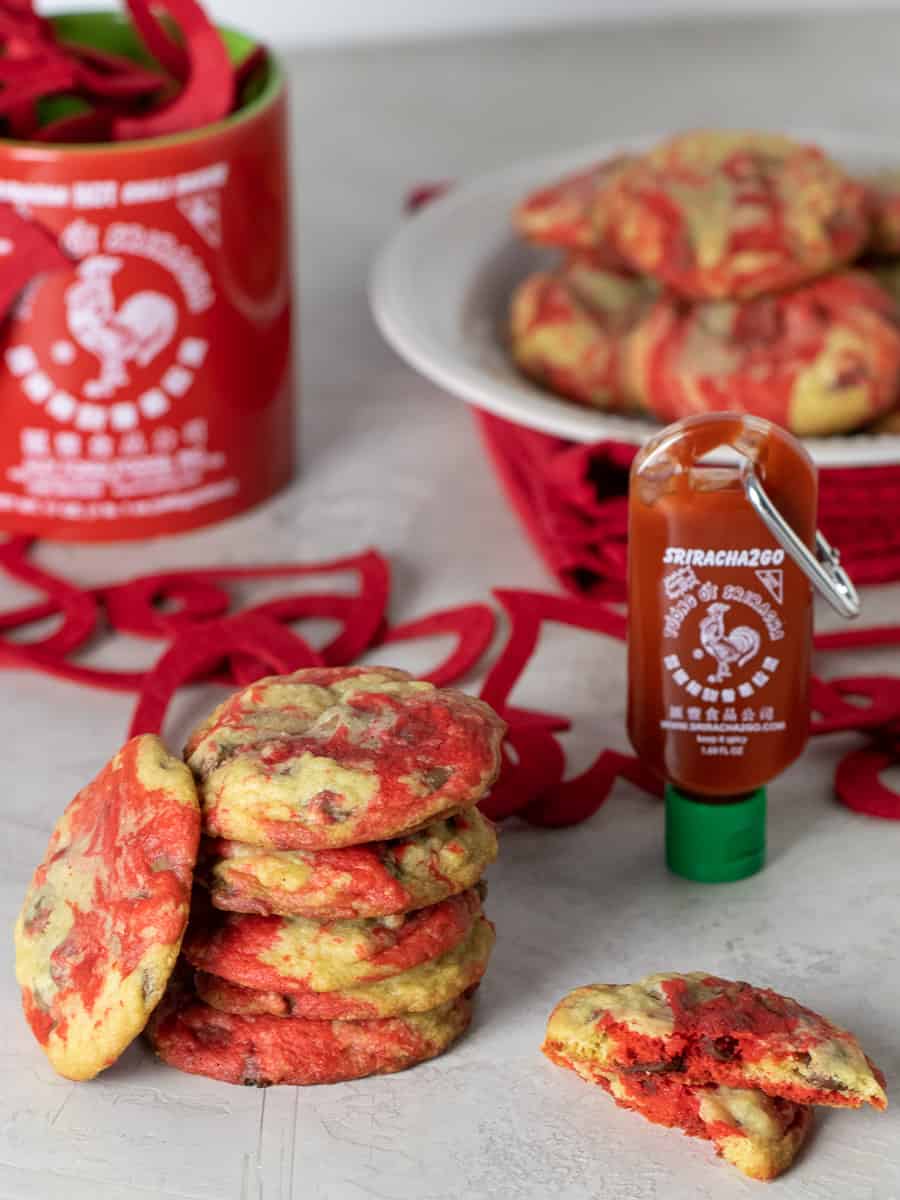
823	569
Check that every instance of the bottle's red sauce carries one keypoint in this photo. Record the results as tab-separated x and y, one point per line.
720	617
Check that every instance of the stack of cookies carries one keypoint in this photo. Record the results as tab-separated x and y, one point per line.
711	274
738	1065
337	930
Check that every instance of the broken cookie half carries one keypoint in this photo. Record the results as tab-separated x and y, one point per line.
722	1060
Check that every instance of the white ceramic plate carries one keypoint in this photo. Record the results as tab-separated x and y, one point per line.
440	289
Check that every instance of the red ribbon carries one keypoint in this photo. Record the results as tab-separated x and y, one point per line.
196	654
208	90
194	85
207	640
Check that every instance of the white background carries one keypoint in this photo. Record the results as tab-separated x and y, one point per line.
295	22
390	460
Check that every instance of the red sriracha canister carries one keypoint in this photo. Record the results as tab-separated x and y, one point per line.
721	558
147	387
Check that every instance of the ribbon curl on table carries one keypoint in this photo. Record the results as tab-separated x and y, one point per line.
208	639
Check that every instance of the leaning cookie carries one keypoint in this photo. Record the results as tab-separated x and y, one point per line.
566	332
104	915
706	1030
822	359
732	215
560	214
296	954
261	1051
335	756
421	988
760	1135
375	880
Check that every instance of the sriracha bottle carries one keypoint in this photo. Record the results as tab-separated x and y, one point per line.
720	631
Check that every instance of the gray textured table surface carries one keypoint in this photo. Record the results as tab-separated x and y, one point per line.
391	461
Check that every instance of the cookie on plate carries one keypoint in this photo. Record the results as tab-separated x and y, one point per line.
822	359
335	756
760	1135
375	880
286	954
566	332
703	1030
104	915
732	215
419	989
260	1051
561	213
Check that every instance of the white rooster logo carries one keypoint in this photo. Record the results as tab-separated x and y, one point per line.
137	331
738	645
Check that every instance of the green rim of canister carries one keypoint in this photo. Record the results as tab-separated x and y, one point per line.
715	841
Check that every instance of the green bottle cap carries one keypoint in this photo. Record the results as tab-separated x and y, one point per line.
715	842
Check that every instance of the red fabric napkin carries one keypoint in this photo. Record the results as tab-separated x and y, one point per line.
573	501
